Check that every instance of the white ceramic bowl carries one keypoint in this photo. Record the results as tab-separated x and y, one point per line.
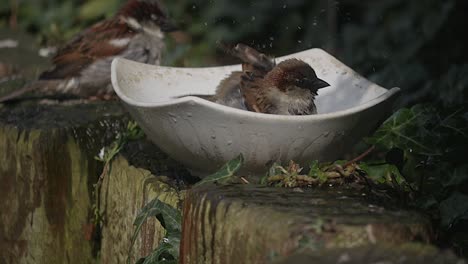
203	135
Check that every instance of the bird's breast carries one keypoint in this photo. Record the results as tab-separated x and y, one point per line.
145	48
294	101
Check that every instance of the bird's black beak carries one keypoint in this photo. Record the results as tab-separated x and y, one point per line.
319	83
168	25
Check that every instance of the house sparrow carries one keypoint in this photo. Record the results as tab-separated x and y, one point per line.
82	66
288	88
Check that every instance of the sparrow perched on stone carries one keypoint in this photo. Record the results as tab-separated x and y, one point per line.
286	88
82	65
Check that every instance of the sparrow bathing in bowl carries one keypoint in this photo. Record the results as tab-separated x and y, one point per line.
81	68
286	88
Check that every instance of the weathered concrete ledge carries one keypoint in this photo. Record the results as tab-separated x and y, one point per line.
410	253
125	191
47	172
258	224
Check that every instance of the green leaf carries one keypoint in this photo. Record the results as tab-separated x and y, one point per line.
156	256
457	177
316	172
173	239
134	131
169	217
225	173
407	129
453	209
381	172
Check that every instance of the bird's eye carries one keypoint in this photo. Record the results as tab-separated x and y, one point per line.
302	82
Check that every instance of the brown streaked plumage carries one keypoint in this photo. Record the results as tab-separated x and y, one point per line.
253	62
82	65
288	88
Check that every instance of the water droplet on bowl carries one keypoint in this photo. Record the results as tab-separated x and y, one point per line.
189	114
213	137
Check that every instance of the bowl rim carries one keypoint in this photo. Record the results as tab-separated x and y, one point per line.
239	112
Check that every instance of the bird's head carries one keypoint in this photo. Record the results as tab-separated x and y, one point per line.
146	14
295	73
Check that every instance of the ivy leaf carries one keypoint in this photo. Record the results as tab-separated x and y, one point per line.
173	239
453	209
169	217
381	173
407	129
225	173
157	256
458	176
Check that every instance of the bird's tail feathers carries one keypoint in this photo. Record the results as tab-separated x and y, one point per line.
30	89
252	59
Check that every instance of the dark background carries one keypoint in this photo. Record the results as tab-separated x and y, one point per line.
419	46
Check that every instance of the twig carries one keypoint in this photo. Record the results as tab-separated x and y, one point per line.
97	193
360	157
244	180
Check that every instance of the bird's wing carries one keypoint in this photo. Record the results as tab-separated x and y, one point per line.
104	39
253	61
251	88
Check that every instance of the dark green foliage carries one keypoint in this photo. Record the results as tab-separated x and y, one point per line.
171	220
433	144
226	172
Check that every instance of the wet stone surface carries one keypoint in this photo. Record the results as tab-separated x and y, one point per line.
31	114
344	205
262	224
409	253
92	124
144	154
49	171
48	168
